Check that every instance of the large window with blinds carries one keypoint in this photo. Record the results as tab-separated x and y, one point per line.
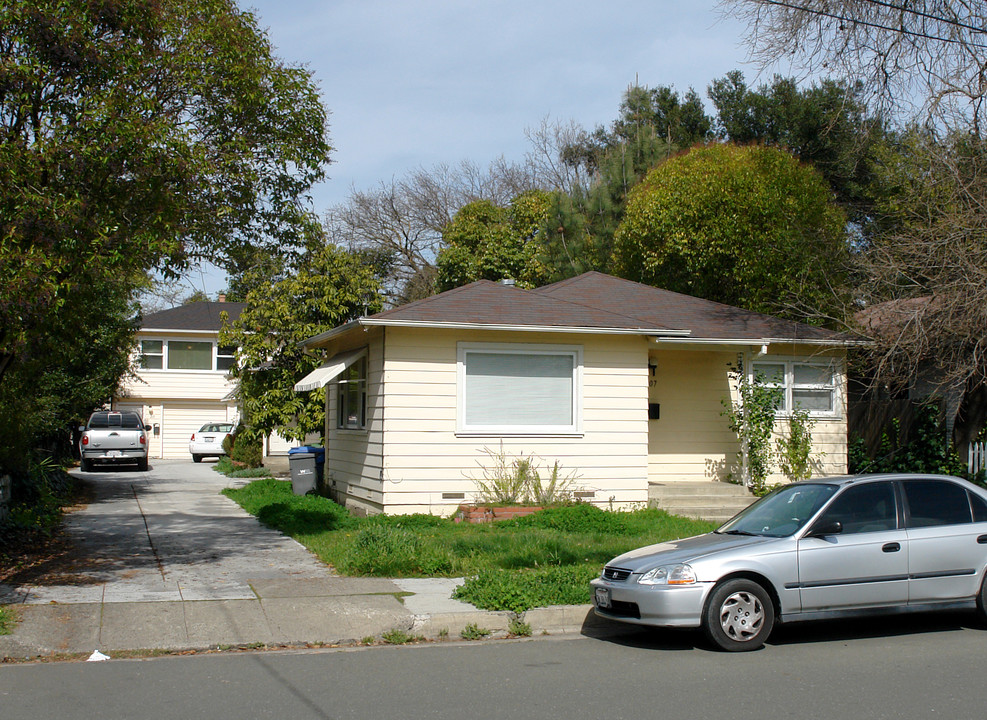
519	389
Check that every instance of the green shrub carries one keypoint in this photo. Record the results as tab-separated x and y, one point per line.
473	632
508	480
926	449
380	548
399	637
7	620
517	627
581	518
521	590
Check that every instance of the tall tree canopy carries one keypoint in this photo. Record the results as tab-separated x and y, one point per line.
487	242
141	135
325	287
747	226
923	64
135	137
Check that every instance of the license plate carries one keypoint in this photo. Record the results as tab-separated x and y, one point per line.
603	598
112	453
208	439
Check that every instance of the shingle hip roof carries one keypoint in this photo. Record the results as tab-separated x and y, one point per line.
601	302
194	316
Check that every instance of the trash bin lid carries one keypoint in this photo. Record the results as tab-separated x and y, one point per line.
317	449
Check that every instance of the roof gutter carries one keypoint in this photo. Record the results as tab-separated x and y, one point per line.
759	341
524	328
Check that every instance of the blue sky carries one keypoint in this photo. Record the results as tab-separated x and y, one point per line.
412	84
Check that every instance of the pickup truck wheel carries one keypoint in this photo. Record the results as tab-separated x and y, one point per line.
196	458
86	465
142	464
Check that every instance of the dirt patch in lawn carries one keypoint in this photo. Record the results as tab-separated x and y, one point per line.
33	558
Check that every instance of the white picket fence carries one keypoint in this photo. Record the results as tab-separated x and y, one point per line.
978	456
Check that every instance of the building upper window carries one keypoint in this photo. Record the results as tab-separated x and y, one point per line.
185	355
225	358
352	396
152	354
811	386
519	389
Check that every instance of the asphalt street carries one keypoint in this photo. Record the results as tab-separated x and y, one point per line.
911	668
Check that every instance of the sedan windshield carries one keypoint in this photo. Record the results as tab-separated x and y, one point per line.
781	513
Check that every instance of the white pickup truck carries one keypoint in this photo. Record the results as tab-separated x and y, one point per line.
113	438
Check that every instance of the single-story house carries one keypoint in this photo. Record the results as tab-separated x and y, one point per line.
621	383
180	378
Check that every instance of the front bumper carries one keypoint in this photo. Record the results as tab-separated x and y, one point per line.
656	605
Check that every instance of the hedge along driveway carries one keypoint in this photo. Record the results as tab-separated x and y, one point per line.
542	559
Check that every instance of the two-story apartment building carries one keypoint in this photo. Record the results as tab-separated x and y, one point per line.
181	376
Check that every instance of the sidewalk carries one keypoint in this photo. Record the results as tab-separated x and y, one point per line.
172	564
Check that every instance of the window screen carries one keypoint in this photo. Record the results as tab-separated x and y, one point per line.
519	389
189	355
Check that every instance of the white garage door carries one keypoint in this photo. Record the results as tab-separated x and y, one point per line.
180	420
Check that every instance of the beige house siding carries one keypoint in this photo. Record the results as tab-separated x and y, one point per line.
354	458
426	458
175	403
692	441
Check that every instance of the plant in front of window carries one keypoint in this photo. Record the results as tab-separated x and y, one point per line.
516	480
752	418
795	449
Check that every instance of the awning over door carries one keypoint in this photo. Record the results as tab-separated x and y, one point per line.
328	371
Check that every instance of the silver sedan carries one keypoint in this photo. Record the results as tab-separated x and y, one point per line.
811	550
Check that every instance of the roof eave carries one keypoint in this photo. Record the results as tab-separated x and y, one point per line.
820	342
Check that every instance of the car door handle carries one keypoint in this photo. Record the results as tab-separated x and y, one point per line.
891	547
982	539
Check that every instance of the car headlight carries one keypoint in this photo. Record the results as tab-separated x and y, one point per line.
669	575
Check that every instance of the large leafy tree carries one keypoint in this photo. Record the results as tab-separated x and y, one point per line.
327	286
923	65
826	124
742	225
487	242
141	135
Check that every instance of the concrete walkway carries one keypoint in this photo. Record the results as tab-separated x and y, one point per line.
172	564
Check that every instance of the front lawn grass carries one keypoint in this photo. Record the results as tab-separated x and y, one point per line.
7	620
542	559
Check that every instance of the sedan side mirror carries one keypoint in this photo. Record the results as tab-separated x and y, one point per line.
833	527
147	428
82	428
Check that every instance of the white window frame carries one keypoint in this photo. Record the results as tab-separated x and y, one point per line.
141	354
788	385
164	355
342	385
574	429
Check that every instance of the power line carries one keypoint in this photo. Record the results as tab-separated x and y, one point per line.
878	26
929	16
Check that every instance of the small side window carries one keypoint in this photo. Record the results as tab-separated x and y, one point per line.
936	502
979	506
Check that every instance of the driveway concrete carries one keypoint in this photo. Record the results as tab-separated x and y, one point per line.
168	562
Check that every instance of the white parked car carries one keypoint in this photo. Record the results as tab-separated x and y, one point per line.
207	441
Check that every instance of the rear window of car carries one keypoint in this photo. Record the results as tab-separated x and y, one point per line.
126	421
216	427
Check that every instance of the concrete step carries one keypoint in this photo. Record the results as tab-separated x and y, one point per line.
712	501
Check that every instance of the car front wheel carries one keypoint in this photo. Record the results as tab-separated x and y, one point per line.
739	615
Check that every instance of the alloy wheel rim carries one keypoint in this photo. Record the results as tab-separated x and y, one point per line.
741	616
